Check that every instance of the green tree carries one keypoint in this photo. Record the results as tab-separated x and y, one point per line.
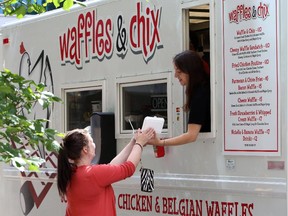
19	96
21	8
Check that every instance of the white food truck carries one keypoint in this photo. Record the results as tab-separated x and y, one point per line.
111	63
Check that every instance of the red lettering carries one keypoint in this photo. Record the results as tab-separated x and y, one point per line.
64	45
132	30
135	202
169	206
88	25
88	30
73	47
80	27
226	208
155	37
92	37
99	38
144	31
108	42
247	209
164	203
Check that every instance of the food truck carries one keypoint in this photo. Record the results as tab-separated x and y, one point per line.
110	61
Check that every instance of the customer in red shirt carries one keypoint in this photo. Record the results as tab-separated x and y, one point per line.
87	188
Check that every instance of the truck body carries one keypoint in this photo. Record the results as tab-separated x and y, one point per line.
115	56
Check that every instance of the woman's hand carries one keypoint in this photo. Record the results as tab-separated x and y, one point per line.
155	141
142	137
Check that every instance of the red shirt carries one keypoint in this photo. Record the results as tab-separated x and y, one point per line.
90	192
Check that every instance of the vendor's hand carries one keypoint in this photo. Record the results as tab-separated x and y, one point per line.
142	137
155	141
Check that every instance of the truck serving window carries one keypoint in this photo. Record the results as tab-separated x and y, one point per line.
79	105
197	38
140	99
199	32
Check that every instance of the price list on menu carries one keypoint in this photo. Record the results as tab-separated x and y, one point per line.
250	31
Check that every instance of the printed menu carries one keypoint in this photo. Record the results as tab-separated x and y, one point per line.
250	59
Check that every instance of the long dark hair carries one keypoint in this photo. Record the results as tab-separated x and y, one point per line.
72	145
190	62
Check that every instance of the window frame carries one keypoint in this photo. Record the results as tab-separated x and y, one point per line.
140	80
185	45
79	87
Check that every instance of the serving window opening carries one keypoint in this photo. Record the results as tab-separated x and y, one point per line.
197	38
139	100
199	32
80	104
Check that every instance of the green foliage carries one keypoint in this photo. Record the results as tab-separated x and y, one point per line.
19	96
21	8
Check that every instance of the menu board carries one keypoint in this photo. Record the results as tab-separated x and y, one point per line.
250	59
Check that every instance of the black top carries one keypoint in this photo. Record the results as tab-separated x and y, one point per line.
200	108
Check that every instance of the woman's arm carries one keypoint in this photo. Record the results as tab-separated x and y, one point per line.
140	138
123	155
188	137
